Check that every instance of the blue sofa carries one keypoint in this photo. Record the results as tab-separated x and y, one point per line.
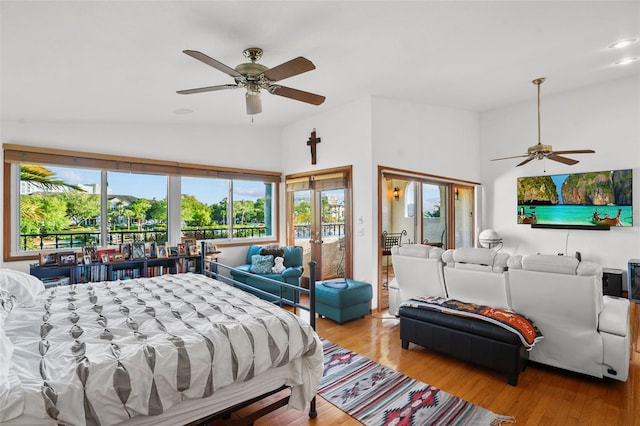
291	275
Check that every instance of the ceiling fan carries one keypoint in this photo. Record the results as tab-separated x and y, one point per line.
254	76
540	151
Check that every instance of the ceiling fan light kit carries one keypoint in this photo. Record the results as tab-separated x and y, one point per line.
254	76
541	151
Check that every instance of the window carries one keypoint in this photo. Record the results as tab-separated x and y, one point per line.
252	209
136	207
435	210
410	200
57	201
59	207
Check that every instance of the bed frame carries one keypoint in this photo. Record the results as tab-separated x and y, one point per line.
220	272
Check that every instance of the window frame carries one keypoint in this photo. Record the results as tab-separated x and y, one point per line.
14	155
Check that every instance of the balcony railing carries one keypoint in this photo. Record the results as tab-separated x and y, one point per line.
328	230
70	239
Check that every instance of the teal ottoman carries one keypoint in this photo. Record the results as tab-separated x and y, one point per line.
343	299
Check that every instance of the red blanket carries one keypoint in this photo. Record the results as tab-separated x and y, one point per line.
522	326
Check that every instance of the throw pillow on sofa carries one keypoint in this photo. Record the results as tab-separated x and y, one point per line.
272	249
261	264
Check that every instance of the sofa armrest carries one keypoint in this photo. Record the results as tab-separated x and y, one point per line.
244	268
293	271
614	317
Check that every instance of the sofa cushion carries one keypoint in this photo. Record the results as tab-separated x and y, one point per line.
614	317
480	256
476	258
418	250
550	263
589	268
261	264
293	256
276	250
413	250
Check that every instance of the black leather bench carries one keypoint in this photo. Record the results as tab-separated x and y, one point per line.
468	339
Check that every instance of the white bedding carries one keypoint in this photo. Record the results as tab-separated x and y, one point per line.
104	353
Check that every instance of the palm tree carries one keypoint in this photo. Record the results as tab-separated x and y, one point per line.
44	178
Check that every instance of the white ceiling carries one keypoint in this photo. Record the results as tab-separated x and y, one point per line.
123	60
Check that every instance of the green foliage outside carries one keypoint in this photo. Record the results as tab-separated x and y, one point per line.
434	212
302	212
70	209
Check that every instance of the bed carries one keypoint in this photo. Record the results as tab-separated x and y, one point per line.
168	350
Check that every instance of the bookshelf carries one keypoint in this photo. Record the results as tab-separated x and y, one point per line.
112	271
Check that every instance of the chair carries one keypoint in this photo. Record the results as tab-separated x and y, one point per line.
390	239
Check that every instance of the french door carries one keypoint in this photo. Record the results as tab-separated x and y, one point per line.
422	209
319	220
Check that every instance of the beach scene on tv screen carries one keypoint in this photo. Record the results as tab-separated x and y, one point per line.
587	199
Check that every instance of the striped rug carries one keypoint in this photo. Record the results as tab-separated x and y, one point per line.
377	395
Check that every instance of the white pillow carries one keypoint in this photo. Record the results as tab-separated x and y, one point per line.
26	288
7	302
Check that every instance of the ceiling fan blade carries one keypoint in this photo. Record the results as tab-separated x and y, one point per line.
298	95
508	158
525	161
212	62
288	69
576	151
565	160
207	89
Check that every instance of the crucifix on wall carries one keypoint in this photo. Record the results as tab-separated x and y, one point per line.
313	140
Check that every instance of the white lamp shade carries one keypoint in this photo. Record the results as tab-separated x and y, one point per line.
254	103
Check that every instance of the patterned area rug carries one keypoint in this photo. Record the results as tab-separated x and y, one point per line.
377	395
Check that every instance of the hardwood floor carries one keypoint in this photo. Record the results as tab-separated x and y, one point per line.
544	396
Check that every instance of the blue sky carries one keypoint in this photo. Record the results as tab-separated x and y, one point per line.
558	179
208	191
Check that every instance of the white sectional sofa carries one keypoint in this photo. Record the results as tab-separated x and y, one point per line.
583	330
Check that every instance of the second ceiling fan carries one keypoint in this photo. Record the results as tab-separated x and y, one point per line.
540	151
254	76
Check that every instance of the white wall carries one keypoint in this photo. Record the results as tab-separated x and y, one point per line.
425	138
379	131
345	134
251	148
605	118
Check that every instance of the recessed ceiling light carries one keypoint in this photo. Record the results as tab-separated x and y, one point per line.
626	61
182	111
623	43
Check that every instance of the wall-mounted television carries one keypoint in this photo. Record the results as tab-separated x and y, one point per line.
592	200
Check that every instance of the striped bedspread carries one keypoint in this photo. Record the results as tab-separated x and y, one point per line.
100	353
